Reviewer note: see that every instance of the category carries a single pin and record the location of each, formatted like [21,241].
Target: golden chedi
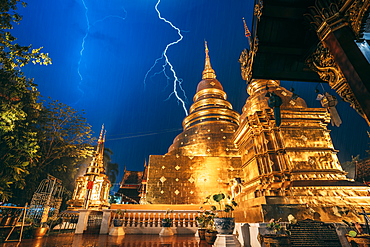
[293,168]
[203,158]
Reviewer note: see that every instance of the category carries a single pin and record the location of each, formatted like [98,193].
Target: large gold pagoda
[92,189]
[203,158]
[293,168]
[275,159]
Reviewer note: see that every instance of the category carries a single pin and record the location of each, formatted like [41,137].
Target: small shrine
[92,189]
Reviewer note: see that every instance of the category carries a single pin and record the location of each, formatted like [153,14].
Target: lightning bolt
[177,81]
[89,26]
[83,41]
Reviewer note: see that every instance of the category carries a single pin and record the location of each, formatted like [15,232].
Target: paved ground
[92,240]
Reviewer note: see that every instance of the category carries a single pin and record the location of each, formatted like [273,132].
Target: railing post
[82,221]
[104,227]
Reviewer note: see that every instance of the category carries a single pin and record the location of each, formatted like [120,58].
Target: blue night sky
[102,52]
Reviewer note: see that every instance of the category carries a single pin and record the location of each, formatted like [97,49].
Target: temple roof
[284,41]
[132,178]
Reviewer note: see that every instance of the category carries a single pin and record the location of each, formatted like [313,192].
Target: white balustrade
[150,221]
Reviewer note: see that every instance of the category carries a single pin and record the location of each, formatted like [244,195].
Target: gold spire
[208,72]
[96,166]
[102,135]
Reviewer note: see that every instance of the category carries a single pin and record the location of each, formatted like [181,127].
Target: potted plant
[166,225]
[223,205]
[204,220]
[274,226]
[210,236]
[41,230]
[211,232]
[118,218]
[278,235]
[35,229]
[167,221]
[54,221]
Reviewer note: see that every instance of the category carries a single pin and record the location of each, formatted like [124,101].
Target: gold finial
[247,33]
[102,135]
[208,72]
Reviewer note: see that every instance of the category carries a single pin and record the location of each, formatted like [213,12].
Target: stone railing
[149,221]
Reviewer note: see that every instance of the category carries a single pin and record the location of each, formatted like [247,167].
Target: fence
[12,217]
[65,222]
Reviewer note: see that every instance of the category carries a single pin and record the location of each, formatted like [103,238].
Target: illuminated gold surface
[203,158]
[208,72]
[291,169]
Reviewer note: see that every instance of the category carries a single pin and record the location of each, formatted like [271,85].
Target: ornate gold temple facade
[92,189]
[293,168]
[203,158]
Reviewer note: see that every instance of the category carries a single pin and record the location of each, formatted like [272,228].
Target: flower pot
[40,232]
[166,223]
[210,237]
[224,225]
[202,233]
[117,222]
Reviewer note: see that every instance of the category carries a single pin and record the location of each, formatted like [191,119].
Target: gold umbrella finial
[208,72]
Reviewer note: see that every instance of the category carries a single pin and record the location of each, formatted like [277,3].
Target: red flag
[246,30]
[90,185]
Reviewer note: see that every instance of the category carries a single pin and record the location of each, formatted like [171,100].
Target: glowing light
[177,81]
[89,26]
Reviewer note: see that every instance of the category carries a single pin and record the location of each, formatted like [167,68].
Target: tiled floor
[90,240]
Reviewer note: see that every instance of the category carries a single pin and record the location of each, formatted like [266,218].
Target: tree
[18,103]
[62,132]
[111,169]
[64,140]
